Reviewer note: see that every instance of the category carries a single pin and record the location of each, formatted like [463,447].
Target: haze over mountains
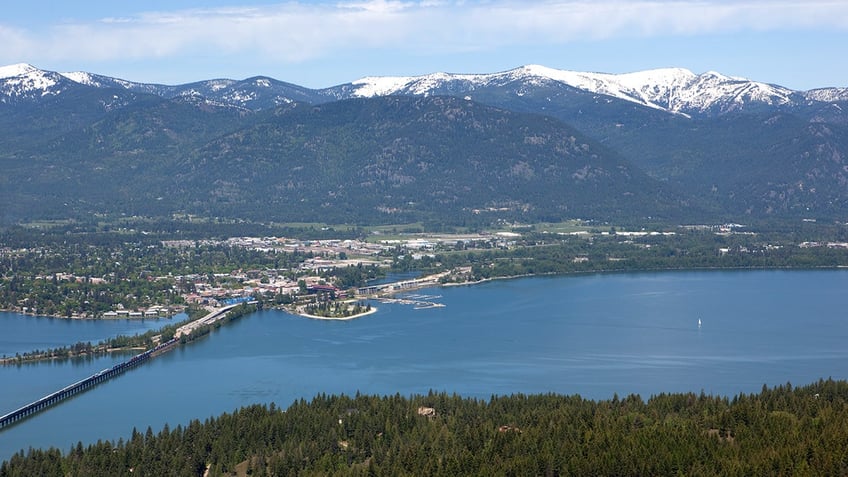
[529,144]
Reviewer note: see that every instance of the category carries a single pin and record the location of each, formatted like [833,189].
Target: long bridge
[109,373]
[82,386]
[214,315]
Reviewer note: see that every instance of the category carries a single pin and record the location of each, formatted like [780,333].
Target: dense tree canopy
[780,431]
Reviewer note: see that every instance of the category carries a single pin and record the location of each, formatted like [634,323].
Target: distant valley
[524,145]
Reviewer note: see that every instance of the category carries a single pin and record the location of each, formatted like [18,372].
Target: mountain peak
[675,90]
[23,80]
[18,69]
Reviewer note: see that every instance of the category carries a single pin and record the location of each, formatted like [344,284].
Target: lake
[23,333]
[593,335]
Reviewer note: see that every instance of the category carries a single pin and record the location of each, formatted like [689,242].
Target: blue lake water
[23,333]
[593,335]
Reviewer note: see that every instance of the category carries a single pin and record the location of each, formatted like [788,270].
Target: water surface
[24,333]
[593,335]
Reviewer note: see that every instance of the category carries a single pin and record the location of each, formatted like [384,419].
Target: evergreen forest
[783,430]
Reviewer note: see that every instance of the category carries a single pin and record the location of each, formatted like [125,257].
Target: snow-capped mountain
[100,81]
[757,149]
[252,93]
[673,90]
[22,81]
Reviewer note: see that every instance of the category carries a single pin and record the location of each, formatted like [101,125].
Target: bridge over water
[109,373]
[81,386]
[214,315]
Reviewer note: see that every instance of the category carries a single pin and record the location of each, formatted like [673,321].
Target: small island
[338,310]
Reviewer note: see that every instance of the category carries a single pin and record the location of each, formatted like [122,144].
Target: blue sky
[800,44]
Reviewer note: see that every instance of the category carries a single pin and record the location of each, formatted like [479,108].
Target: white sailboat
[699,322]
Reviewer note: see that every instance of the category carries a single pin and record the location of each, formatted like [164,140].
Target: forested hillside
[529,144]
[781,431]
[383,160]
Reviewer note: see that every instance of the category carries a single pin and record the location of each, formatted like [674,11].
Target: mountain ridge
[706,146]
[672,90]
[675,90]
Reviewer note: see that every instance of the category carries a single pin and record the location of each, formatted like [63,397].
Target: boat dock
[419,302]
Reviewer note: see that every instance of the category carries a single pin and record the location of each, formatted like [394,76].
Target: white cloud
[13,39]
[293,32]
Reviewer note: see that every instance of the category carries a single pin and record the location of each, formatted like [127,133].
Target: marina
[418,302]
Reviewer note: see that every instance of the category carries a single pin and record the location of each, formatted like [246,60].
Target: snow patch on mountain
[219,84]
[372,86]
[19,69]
[24,80]
[653,88]
[100,81]
[676,90]
[82,77]
[827,95]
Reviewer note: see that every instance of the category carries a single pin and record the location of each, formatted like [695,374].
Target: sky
[799,44]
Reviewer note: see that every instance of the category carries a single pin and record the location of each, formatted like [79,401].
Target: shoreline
[490,279]
[14,360]
[8,360]
[89,318]
[644,270]
[333,318]
[436,284]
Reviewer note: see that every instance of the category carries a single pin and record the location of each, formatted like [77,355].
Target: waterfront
[593,335]
[25,333]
